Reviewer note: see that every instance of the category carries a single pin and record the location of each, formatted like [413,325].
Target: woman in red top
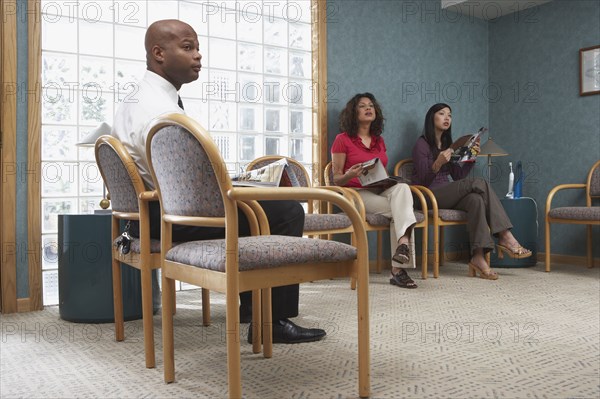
[362,124]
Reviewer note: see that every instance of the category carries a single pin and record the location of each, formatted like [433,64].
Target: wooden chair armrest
[304,193]
[148,195]
[557,189]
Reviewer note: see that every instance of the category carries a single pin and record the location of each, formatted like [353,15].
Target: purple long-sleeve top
[423,174]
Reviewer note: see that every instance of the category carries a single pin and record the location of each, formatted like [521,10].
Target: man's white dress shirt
[155,96]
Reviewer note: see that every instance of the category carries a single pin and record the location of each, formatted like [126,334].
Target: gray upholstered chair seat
[419,216]
[325,221]
[261,252]
[377,220]
[451,215]
[576,213]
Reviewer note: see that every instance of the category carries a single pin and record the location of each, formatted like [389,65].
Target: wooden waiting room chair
[129,201]
[587,215]
[314,223]
[379,223]
[194,188]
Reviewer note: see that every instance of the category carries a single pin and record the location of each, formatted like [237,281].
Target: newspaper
[275,174]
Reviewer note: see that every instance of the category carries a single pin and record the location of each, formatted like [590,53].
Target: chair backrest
[190,175]
[298,169]
[593,181]
[120,174]
[404,168]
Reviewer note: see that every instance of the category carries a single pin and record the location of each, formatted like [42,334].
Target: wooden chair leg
[147,310]
[379,251]
[436,251]
[590,255]
[257,337]
[267,325]
[118,300]
[424,254]
[442,247]
[205,307]
[168,287]
[232,321]
[547,256]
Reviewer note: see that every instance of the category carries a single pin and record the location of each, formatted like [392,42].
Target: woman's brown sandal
[402,280]
[402,254]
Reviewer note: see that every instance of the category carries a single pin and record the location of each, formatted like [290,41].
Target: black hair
[429,129]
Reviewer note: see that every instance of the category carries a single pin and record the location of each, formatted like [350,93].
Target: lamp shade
[492,149]
[90,139]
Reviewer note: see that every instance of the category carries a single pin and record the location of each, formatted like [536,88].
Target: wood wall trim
[319,78]
[34,127]
[8,126]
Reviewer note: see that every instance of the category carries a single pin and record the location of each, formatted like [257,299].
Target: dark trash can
[85,291]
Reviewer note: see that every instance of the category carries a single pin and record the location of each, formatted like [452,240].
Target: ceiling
[492,9]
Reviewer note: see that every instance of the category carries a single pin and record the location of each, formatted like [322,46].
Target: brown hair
[349,122]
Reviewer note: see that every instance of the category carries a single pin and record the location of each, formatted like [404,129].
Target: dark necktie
[179,102]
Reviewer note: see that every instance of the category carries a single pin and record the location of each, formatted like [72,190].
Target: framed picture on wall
[589,71]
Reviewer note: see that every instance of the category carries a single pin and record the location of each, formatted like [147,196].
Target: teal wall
[546,123]
[410,55]
[517,74]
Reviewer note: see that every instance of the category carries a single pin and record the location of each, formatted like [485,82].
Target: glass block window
[253,94]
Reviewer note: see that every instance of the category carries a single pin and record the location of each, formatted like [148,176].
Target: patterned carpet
[530,334]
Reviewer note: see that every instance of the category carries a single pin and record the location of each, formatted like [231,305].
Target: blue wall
[410,55]
[517,74]
[542,120]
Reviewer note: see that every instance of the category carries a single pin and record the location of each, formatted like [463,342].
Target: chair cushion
[377,220]
[451,215]
[591,213]
[419,216]
[261,252]
[319,222]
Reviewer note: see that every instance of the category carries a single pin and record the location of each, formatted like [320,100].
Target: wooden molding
[24,305]
[566,259]
[8,128]
[319,81]
[34,127]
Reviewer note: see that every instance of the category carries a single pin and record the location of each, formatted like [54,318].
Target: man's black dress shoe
[286,332]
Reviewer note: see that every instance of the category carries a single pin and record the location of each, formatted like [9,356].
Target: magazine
[375,174]
[463,147]
[275,174]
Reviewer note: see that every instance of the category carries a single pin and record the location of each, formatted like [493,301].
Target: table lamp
[90,141]
[491,149]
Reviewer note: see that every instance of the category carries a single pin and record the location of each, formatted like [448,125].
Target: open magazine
[275,174]
[374,173]
[463,147]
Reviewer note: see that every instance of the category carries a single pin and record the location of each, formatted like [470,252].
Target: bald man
[173,59]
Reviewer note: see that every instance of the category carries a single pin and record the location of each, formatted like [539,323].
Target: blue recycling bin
[522,213]
[85,291]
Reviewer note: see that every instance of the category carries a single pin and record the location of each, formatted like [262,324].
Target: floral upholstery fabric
[451,215]
[187,181]
[595,183]
[117,179]
[591,213]
[319,222]
[261,252]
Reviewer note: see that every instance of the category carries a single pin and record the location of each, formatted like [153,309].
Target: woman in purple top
[485,214]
